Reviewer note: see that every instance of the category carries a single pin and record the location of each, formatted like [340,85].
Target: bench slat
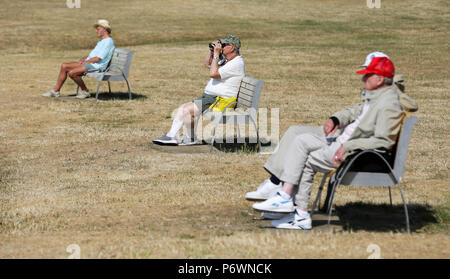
[246,91]
[245,97]
[244,103]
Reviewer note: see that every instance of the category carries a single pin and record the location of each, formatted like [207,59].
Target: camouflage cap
[232,40]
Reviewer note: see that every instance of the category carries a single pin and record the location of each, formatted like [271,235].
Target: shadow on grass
[385,218]
[105,96]
[245,145]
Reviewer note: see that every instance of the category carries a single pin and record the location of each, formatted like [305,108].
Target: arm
[208,59]
[92,60]
[214,66]
[331,126]
[348,115]
[387,129]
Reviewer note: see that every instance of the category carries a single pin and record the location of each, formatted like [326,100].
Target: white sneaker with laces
[51,93]
[293,222]
[266,190]
[275,204]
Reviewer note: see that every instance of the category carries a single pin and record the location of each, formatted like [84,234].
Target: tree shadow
[384,217]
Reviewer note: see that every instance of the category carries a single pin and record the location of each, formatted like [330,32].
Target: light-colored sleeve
[387,129]
[232,70]
[105,49]
[348,115]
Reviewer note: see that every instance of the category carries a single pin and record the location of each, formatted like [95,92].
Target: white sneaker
[165,140]
[273,215]
[185,140]
[275,204]
[266,190]
[51,93]
[83,95]
[293,222]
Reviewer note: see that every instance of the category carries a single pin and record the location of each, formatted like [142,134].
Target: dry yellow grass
[85,172]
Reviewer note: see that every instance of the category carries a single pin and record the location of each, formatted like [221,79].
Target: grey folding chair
[118,70]
[344,175]
[246,109]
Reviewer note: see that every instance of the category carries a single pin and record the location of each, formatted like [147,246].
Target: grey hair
[386,80]
[236,50]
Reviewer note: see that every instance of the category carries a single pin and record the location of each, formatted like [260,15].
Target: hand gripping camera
[221,58]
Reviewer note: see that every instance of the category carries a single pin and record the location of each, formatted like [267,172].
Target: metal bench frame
[117,70]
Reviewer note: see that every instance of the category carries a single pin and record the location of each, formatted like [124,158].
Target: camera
[211,46]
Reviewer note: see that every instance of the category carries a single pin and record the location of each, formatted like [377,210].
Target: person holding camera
[226,69]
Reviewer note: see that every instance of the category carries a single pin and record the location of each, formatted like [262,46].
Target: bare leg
[62,76]
[76,74]
[190,115]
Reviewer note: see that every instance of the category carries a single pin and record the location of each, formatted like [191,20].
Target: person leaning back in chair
[373,123]
[226,69]
[97,60]
[272,185]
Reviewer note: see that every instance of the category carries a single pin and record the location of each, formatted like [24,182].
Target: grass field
[85,172]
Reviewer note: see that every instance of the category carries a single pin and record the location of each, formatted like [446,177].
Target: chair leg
[406,209]
[98,88]
[319,194]
[330,205]
[390,195]
[257,134]
[212,138]
[129,90]
[109,87]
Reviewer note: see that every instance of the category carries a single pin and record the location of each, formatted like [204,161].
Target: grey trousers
[301,153]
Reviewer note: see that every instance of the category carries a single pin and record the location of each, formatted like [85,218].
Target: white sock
[284,195]
[176,126]
[302,214]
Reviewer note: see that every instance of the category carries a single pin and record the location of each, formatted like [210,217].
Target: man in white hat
[97,60]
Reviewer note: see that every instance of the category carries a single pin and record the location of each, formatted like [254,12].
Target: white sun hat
[102,23]
[373,55]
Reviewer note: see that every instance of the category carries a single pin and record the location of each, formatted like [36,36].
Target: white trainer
[83,94]
[293,222]
[265,191]
[275,204]
[185,140]
[273,215]
[51,93]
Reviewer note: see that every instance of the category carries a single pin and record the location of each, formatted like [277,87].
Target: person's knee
[72,74]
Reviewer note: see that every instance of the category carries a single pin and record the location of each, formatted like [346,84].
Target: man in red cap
[373,123]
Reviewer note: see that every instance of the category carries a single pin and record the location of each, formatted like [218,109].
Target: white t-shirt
[231,75]
[348,131]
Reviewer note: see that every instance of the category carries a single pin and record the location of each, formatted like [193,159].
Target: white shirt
[231,75]
[352,126]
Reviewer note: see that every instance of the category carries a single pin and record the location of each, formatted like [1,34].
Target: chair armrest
[355,160]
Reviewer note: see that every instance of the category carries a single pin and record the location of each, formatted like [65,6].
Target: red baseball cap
[381,66]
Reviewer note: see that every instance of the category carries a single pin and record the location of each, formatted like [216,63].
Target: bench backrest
[120,61]
[249,92]
[402,145]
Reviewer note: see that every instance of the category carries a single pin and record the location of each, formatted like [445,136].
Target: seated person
[97,60]
[226,76]
[272,185]
[374,123]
